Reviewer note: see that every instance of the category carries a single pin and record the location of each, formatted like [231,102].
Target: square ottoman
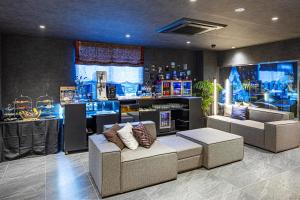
[189,154]
[219,147]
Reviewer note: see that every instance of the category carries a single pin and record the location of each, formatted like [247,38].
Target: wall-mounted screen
[266,85]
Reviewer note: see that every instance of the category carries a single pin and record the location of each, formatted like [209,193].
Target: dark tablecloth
[24,138]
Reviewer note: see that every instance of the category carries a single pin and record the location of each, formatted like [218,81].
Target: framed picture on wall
[67,94]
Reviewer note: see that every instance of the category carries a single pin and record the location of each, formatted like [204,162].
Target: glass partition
[265,85]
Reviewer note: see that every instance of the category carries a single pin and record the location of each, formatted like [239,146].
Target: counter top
[24,121]
[157,98]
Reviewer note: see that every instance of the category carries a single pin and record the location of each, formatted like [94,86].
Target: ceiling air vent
[189,26]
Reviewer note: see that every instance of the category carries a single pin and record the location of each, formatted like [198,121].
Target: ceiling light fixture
[233,47]
[238,10]
[42,26]
[127,35]
[188,42]
[275,19]
[193,0]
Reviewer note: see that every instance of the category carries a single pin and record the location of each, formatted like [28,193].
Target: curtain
[99,53]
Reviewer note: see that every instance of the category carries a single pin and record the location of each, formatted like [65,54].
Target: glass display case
[187,88]
[166,88]
[176,88]
[45,105]
[164,119]
[102,107]
[22,103]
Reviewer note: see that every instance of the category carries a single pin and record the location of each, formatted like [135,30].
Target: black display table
[24,138]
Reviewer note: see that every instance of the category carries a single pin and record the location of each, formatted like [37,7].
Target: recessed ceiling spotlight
[188,42]
[127,35]
[42,26]
[193,0]
[233,47]
[238,10]
[275,19]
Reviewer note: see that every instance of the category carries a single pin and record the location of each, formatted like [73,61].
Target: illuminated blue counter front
[102,107]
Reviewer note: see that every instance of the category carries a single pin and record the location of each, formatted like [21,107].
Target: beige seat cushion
[219,122]
[220,117]
[157,148]
[252,131]
[225,119]
[250,123]
[208,135]
[184,147]
[267,115]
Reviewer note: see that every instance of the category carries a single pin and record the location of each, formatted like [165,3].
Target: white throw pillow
[227,110]
[126,135]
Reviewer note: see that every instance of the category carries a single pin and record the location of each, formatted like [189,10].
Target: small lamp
[215,105]
[227,92]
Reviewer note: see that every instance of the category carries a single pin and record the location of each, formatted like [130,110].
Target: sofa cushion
[208,135]
[184,147]
[150,126]
[112,136]
[227,110]
[157,148]
[239,112]
[267,115]
[143,136]
[127,137]
[219,122]
[252,131]
[249,123]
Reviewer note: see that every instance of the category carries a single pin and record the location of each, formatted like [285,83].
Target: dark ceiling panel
[110,20]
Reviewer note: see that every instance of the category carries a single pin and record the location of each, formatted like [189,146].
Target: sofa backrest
[150,126]
[267,115]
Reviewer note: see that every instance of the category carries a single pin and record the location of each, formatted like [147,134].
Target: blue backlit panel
[267,85]
[126,78]
[115,74]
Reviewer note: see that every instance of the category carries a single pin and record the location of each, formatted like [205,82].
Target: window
[126,78]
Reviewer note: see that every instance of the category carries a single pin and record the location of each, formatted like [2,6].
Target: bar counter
[23,138]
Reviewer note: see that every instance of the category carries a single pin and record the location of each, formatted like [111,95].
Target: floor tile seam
[239,190]
[3,175]
[267,179]
[269,165]
[284,185]
[253,172]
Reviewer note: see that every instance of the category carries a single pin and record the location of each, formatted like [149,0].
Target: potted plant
[205,90]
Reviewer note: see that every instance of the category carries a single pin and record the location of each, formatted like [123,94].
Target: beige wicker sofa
[268,129]
[116,171]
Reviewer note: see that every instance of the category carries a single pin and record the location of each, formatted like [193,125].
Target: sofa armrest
[105,165]
[282,135]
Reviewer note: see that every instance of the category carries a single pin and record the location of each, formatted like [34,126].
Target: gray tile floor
[261,175]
